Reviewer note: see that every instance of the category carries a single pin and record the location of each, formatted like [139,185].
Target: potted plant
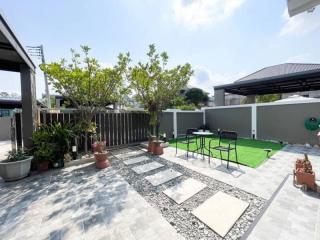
[305,175]
[16,166]
[61,138]
[155,87]
[44,155]
[43,149]
[150,143]
[98,146]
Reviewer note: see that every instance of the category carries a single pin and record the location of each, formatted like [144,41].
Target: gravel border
[179,216]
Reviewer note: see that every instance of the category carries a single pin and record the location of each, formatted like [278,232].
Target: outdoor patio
[134,199]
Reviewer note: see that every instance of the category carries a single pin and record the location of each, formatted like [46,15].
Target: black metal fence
[116,128]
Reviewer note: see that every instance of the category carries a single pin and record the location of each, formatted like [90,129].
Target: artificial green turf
[250,152]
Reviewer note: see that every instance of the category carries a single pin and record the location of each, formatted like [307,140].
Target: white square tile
[162,177]
[136,160]
[147,167]
[220,212]
[184,190]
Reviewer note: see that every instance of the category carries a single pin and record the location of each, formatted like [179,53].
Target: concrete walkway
[78,203]
[292,214]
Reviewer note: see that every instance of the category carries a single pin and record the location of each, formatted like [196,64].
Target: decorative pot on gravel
[99,146]
[150,143]
[16,166]
[157,148]
[101,159]
[305,175]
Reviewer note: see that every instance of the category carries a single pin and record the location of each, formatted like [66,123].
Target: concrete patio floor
[82,202]
[78,203]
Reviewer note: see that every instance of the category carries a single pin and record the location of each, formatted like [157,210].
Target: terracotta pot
[299,165]
[304,178]
[157,148]
[101,160]
[150,144]
[98,146]
[43,166]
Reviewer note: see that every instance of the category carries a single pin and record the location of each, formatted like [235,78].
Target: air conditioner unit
[298,6]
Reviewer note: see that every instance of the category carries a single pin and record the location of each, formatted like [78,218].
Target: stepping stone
[162,177]
[184,190]
[128,154]
[147,167]
[220,212]
[136,160]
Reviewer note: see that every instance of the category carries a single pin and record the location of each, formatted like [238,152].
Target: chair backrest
[191,130]
[229,135]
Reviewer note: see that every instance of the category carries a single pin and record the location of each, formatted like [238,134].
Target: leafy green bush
[187,107]
[51,142]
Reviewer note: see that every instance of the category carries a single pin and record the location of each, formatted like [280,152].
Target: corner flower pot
[101,160]
[11,171]
[299,165]
[304,178]
[150,143]
[98,146]
[43,166]
[157,148]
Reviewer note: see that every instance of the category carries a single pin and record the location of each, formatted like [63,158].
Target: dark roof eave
[270,80]
[10,36]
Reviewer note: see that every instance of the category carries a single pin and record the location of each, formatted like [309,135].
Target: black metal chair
[187,139]
[227,143]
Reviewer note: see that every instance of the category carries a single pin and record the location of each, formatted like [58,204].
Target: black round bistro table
[202,136]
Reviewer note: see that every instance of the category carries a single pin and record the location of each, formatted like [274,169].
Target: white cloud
[300,58]
[205,79]
[196,13]
[300,24]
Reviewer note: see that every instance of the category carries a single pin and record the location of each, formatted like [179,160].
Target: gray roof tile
[280,70]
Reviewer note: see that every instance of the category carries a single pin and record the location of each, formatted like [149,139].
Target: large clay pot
[11,171]
[101,160]
[150,143]
[304,178]
[157,148]
[98,146]
[43,166]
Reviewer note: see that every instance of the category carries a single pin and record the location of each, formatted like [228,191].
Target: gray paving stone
[184,190]
[136,160]
[162,177]
[147,167]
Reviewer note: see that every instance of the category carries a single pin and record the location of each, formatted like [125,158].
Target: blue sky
[222,39]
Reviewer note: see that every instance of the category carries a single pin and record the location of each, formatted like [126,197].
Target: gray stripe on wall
[187,120]
[286,122]
[166,124]
[230,119]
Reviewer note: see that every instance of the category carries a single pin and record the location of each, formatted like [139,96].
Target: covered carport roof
[12,54]
[283,78]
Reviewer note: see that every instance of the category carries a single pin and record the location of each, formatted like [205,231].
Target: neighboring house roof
[280,70]
[282,78]
[297,98]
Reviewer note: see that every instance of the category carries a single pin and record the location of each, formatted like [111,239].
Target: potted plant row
[16,166]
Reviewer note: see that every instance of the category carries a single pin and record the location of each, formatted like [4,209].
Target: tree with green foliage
[268,98]
[196,96]
[155,85]
[87,85]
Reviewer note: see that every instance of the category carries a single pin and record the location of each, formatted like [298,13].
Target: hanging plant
[312,123]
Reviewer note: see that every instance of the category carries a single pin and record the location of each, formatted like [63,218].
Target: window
[4,112]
